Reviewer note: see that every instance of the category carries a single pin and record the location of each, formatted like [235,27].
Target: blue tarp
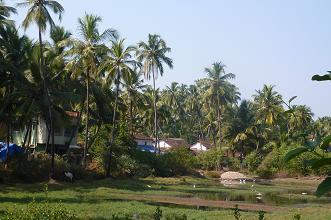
[13,149]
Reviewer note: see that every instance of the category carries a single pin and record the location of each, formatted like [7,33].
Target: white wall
[198,147]
[164,145]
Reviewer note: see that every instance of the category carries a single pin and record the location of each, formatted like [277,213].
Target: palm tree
[300,119]
[322,127]
[219,91]
[134,86]
[84,58]
[268,105]
[38,13]
[118,64]
[194,107]
[5,12]
[13,62]
[153,54]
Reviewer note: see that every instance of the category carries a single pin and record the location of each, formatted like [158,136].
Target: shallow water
[285,197]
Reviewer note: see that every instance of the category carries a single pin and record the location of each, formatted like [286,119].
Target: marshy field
[193,197]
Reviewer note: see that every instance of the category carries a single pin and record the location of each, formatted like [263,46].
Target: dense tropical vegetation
[106,81]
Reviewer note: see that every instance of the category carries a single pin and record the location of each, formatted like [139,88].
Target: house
[201,146]
[38,134]
[144,142]
[171,143]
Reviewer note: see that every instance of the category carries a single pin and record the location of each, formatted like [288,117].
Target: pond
[282,197]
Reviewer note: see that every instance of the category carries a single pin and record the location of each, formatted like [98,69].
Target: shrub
[176,217]
[253,160]
[213,174]
[273,164]
[233,163]
[179,161]
[269,166]
[157,214]
[40,210]
[212,159]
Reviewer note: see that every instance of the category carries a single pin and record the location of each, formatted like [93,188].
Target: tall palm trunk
[219,121]
[155,117]
[87,116]
[113,126]
[131,117]
[46,91]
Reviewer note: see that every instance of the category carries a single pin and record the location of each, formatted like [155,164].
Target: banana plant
[313,147]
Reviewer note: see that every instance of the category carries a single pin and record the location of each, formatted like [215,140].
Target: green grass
[101,199]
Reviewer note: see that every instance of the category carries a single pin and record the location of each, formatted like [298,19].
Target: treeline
[99,76]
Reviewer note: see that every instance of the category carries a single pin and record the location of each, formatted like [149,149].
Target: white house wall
[198,147]
[164,145]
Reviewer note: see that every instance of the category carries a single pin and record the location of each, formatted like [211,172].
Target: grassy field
[101,199]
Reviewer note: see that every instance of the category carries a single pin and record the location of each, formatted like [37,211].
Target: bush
[274,165]
[212,159]
[40,210]
[35,169]
[253,160]
[179,161]
[213,174]
[233,163]
[270,165]
[176,217]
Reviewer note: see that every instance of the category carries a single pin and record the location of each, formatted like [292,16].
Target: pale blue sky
[276,42]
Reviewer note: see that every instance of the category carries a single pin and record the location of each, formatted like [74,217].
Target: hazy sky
[278,42]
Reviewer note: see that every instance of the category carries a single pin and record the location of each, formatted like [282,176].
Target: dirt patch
[232,176]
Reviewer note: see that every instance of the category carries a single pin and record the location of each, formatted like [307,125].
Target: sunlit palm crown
[38,13]
[152,54]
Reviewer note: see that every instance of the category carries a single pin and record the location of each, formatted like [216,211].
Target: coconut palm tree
[84,57]
[13,60]
[5,12]
[322,127]
[219,92]
[117,64]
[38,13]
[133,85]
[194,108]
[153,54]
[301,119]
[268,105]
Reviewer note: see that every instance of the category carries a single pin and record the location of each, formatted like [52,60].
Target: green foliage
[213,174]
[324,187]
[176,217]
[35,169]
[157,214]
[274,163]
[261,215]
[253,160]
[322,77]
[294,153]
[236,213]
[317,160]
[179,161]
[40,211]
[212,159]
[297,217]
